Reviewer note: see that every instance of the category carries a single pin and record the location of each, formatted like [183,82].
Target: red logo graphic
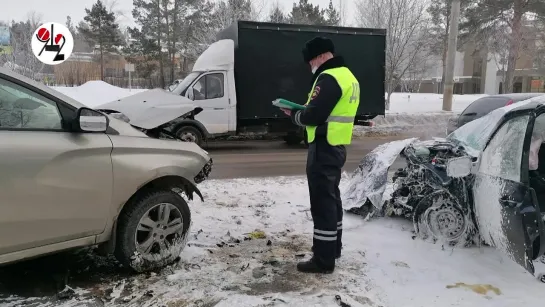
[45,35]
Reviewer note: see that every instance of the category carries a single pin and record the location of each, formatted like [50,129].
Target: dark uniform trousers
[324,167]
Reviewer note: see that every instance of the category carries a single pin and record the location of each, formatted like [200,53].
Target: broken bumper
[205,172]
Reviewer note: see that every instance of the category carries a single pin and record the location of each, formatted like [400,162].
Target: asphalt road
[245,159]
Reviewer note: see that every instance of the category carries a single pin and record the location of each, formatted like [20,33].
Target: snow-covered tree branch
[22,59]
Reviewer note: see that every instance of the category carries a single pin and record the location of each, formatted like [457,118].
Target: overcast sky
[57,10]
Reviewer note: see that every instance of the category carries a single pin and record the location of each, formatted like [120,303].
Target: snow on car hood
[150,109]
[370,179]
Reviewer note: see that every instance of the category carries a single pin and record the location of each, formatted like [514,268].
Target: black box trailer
[269,64]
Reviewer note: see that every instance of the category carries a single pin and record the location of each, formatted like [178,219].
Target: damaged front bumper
[205,172]
[421,191]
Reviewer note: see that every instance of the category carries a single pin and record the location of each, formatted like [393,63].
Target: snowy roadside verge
[409,113]
[416,114]
[423,124]
[247,237]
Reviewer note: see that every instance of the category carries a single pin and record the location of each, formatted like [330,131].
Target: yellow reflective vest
[340,122]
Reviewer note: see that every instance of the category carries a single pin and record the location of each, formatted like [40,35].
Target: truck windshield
[182,86]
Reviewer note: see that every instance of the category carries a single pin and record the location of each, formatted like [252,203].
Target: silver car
[72,176]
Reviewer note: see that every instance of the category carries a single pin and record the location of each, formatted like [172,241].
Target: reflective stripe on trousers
[328,235]
[325,235]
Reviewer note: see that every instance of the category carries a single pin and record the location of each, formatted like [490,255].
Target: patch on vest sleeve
[316,92]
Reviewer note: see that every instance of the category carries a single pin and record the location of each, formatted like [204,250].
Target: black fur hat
[317,46]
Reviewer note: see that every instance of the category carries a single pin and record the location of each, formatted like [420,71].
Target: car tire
[189,134]
[142,221]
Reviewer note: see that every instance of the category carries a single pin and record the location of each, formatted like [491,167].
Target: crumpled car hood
[150,109]
[370,179]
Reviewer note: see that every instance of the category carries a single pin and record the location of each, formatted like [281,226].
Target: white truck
[234,81]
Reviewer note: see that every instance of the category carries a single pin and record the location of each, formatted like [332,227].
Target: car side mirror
[89,120]
[459,167]
[190,93]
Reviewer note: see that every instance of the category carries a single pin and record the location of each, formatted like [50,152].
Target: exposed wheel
[189,134]
[440,217]
[152,230]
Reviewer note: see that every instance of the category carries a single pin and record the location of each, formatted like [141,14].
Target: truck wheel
[152,231]
[292,139]
[189,134]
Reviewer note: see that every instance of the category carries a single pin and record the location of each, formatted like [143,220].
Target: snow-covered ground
[248,235]
[410,103]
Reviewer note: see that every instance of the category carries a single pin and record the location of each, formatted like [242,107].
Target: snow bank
[417,114]
[410,103]
[94,93]
[410,113]
[425,125]
[248,235]
[97,92]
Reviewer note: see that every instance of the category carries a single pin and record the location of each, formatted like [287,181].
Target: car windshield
[475,134]
[182,86]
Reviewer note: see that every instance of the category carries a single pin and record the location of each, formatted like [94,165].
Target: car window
[199,89]
[503,156]
[214,86]
[186,82]
[483,106]
[209,87]
[21,108]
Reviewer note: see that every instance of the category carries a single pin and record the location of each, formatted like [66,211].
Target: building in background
[478,71]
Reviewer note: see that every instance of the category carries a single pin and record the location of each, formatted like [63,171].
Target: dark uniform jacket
[324,98]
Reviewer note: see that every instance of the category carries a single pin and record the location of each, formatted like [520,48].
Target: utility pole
[448,90]
[341,12]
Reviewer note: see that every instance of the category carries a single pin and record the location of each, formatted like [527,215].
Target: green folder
[286,104]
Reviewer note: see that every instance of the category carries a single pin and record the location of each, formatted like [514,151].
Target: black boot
[337,256]
[312,266]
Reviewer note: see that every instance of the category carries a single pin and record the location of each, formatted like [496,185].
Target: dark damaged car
[473,187]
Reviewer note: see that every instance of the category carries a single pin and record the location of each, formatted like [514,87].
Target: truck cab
[211,86]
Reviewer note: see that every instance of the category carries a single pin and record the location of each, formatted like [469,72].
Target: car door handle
[219,108]
[509,202]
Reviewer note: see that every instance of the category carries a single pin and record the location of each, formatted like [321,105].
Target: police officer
[328,119]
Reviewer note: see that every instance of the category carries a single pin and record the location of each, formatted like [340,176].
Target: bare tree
[406,24]
[417,72]
[21,58]
[204,24]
